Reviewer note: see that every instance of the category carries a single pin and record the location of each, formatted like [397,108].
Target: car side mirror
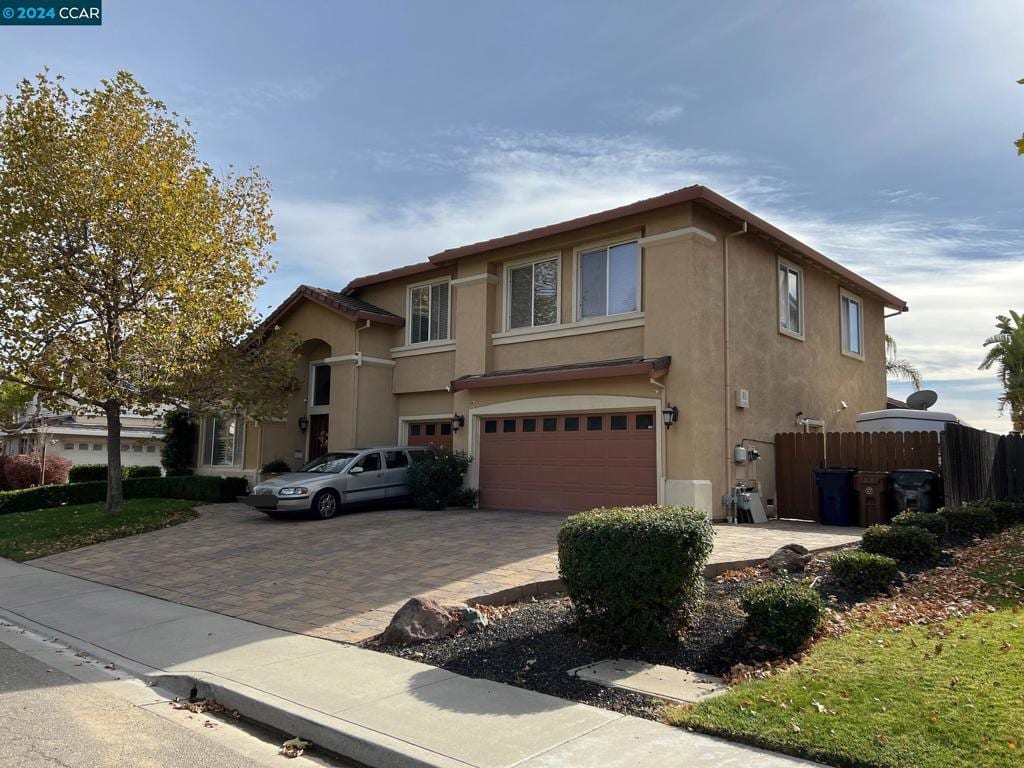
[356,471]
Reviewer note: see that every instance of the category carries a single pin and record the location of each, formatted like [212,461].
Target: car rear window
[396,459]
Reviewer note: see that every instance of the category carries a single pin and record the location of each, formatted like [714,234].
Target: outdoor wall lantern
[670,415]
[458,422]
[303,423]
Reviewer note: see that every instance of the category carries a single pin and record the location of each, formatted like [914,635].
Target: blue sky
[878,132]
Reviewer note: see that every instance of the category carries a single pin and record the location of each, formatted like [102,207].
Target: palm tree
[895,368]
[1006,350]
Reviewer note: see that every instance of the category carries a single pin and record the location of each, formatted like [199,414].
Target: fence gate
[798,454]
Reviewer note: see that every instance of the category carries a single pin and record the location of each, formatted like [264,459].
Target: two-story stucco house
[613,359]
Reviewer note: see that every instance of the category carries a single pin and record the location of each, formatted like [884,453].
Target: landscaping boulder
[792,558]
[419,620]
[469,618]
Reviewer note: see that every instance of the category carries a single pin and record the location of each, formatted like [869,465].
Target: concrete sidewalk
[369,707]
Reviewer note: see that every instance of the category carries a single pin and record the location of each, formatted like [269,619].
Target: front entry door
[319,426]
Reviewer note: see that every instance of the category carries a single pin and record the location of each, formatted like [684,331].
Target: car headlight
[295,491]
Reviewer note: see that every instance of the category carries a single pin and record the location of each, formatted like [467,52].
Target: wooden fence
[798,454]
[982,465]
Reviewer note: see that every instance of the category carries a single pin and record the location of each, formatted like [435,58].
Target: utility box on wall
[742,398]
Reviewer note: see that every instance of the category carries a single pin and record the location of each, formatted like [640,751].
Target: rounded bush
[970,520]
[863,571]
[435,480]
[782,613]
[933,523]
[907,543]
[632,572]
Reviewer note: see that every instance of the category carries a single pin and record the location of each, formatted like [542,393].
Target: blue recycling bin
[836,498]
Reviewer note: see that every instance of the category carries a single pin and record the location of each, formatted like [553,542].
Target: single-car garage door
[568,462]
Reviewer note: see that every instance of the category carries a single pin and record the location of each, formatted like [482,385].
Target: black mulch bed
[534,644]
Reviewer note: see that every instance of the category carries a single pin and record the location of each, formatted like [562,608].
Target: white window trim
[408,312]
[606,244]
[423,348]
[556,257]
[311,409]
[781,262]
[845,294]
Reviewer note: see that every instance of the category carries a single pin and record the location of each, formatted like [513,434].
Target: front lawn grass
[27,535]
[921,696]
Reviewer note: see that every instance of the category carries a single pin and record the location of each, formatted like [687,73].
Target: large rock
[419,620]
[792,558]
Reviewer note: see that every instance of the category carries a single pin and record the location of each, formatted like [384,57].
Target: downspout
[664,439]
[727,374]
[355,385]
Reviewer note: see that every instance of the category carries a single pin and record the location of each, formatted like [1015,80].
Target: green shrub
[140,470]
[276,467]
[180,437]
[435,481]
[970,520]
[933,523]
[782,613]
[907,543]
[87,473]
[465,497]
[196,487]
[633,572]
[1008,512]
[863,571]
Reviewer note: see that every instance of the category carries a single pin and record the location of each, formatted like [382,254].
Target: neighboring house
[83,439]
[555,357]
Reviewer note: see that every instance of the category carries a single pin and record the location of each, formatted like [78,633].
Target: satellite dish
[922,400]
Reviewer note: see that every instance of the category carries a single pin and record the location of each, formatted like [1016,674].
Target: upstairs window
[850,310]
[608,282]
[532,294]
[428,312]
[791,300]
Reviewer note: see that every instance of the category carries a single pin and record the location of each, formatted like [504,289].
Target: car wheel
[325,504]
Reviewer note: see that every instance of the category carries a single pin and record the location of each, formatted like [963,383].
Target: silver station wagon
[336,479]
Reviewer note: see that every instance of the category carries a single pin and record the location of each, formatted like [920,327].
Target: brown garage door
[435,433]
[568,462]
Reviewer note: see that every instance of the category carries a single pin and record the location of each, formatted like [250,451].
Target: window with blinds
[222,445]
[532,294]
[429,312]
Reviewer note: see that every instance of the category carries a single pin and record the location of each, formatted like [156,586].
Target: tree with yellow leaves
[127,266]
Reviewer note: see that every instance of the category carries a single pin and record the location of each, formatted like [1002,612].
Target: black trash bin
[836,500]
[918,490]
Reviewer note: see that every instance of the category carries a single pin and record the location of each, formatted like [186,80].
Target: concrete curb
[328,732]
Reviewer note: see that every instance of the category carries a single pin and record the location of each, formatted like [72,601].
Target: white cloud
[956,275]
[663,115]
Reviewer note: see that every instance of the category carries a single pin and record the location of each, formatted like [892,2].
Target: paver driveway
[343,579]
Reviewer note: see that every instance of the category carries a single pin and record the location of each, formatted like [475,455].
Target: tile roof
[654,367]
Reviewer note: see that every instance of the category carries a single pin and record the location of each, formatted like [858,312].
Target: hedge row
[85,473]
[196,487]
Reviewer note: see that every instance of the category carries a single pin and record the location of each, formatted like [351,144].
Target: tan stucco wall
[423,373]
[426,403]
[607,345]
